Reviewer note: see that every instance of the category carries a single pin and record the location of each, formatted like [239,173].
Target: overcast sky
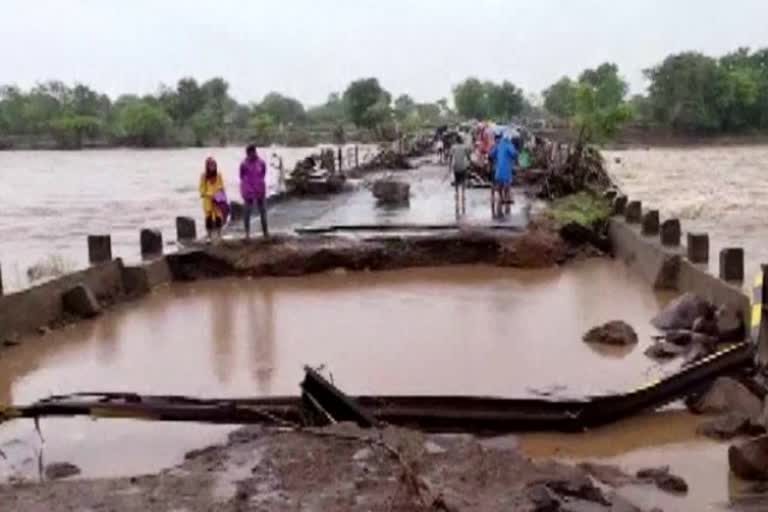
[308,48]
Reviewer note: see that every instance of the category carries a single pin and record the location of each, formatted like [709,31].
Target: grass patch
[583,208]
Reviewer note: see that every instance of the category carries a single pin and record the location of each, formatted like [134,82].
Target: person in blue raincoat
[504,156]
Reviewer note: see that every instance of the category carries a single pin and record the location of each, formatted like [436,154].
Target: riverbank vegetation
[688,93]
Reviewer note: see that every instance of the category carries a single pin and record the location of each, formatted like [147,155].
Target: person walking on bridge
[253,189]
[504,156]
[458,162]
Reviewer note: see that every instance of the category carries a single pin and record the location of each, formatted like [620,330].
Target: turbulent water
[51,200]
[719,190]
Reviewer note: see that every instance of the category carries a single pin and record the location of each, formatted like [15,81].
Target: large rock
[662,350]
[682,312]
[705,325]
[389,191]
[730,324]
[664,479]
[58,470]
[727,395]
[749,459]
[80,301]
[729,426]
[610,475]
[613,333]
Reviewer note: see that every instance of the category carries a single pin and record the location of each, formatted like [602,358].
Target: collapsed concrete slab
[657,266]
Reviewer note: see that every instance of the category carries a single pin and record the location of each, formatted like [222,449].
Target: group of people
[253,190]
[502,158]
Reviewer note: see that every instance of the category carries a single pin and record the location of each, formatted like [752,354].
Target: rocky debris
[536,248]
[682,312]
[236,211]
[727,396]
[662,350]
[749,459]
[728,426]
[81,302]
[389,191]
[567,170]
[610,475]
[387,159]
[577,235]
[433,448]
[362,454]
[59,470]
[315,175]
[730,324]
[706,325]
[612,333]
[562,490]
[664,479]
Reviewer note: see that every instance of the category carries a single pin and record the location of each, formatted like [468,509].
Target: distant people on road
[504,156]
[215,204]
[277,163]
[440,147]
[459,162]
[253,189]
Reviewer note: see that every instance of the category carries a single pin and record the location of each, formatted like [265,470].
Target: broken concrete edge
[667,268]
[42,307]
[39,309]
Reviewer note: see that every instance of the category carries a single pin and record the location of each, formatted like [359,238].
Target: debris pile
[561,170]
[387,159]
[316,175]
[390,191]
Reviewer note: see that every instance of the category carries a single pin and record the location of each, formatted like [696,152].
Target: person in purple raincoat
[253,189]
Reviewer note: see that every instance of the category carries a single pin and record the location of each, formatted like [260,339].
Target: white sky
[308,48]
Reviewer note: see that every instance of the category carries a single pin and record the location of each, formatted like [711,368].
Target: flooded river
[719,190]
[53,199]
[464,330]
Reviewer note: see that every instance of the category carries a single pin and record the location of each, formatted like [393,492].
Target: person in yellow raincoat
[215,206]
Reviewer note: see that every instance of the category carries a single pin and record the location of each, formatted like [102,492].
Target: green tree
[685,92]
[143,124]
[608,87]
[505,101]
[367,103]
[282,109]
[594,121]
[71,130]
[262,129]
[560,98]
[404,107]
[189,99]
[471,99]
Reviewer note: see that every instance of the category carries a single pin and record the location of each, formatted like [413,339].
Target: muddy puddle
[461,330]
[666,438]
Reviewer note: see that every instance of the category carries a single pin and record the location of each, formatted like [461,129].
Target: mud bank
[351,469]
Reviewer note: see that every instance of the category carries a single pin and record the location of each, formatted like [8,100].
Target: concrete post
[236,211]
[185,228]
[651,223]
[634,212]
[670,232]
[99,248]
[341,160]
[619,205]
[151,242]
[732,264]
[357,157]
[1,281]
[698,247]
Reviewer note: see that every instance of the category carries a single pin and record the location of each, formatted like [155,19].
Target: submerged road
[432,203]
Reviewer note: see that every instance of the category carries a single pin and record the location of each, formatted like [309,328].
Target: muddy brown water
[464,330]
[719,190]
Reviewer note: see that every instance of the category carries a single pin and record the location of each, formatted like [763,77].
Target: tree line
[687,92]
[192,113]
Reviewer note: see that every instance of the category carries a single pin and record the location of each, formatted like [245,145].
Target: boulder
[613,333]
[727,395]
[389,191]
[730,324]
[705,325]
[662,350]
[236,211]
[664,479]
[58,470]
[727,427]
[682,312]
[610,475]
[749,459]
[81,302]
